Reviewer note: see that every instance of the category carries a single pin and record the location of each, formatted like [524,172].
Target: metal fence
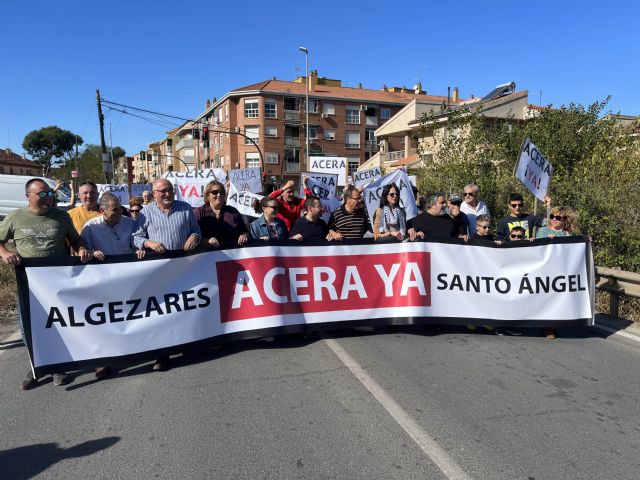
[617,283]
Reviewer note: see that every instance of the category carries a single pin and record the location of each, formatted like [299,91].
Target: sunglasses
[470,194]
[135,210]
[484,226]
[516,205]
[556,217]
[217,192]
[50,193]
[392,194]
[517,237]
[275,207]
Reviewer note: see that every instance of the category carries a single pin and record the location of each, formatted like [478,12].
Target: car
[12,195]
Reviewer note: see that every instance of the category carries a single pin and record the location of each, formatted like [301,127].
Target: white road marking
[620,333]
[428,445]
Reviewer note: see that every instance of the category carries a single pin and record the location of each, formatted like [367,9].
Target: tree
[596,169]
[89,164]
[48,145]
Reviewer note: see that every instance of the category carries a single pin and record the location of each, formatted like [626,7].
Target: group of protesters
[157,222]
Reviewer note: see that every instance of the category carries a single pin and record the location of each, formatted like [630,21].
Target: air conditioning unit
[363,108]
[325,115]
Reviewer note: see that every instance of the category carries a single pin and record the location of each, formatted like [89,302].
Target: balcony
[352,146]
[184,143]
[371,121]
[292,167]
[292,115]
[291,141]
[371,146]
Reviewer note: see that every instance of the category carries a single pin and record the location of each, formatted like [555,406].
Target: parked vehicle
[12,195]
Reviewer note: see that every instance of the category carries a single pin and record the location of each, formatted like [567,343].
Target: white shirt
[473,213]
[116,240]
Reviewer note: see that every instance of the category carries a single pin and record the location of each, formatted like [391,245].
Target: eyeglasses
[217,192]
[484,226]
[164,190]
[455,204]
[135,210]
[517,237]
[275,207]
[515,205]
[392,194]
[557,217]
[49,193]
[470,194]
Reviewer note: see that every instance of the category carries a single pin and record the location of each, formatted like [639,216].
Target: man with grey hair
[433,223]
[472,207]
[109,234]
[147,198]
[350,220]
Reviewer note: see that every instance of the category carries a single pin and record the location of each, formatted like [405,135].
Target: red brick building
[342,122]
[13,164]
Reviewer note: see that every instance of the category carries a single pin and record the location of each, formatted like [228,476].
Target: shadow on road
[21,463]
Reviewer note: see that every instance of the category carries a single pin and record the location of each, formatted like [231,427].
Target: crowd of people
[157,222]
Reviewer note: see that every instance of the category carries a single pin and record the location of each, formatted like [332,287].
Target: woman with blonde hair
[562,223]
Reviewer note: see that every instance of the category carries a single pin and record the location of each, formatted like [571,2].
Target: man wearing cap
[291,207]
[472,207]
[460,219]
[434,223]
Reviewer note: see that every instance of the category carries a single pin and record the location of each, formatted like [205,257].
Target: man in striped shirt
[166,224]
[350,220]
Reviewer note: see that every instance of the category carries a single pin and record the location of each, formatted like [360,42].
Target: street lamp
[306,107]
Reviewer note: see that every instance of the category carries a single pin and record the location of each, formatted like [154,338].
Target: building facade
[13,164]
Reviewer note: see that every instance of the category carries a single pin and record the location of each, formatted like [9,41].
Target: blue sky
[170,56]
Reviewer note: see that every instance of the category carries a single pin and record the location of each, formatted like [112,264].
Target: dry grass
[7,287]
[629,308]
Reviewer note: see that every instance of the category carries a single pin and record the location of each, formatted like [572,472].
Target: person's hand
[547,200]
[335,235]
[304,180]
[398,235]
[288,185]
[420,235]
[551,236]
[99,254]
[242,239]
[465,238]
[265,237]
[155,246]
[297,236]
[213,241]
[191,244]
[498,242]
[57,186]
[412,234]
[85,255]
[141,253]
[11,258]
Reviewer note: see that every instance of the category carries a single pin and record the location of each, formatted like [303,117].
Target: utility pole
[106,165]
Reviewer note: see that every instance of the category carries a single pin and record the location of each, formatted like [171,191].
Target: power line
[147,111]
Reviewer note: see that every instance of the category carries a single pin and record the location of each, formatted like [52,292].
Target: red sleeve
[275,193]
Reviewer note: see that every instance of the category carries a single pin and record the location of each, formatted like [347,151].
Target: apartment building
[264,124]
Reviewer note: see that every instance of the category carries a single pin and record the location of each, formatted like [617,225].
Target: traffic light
[195,133]
[129,170]
[205,133]
[143,155]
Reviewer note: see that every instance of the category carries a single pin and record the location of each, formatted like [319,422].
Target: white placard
[138,188]
[337,165]
[242,201]
[189,186]
[327,184]
[120,191]
[246,179]
[373,192]
[362,178]
[533,170]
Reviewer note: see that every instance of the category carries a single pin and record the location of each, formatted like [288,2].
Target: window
[352,140]
[219,116]
[272,158]
[252,160]
[329,134]
[251,108]
[313,106]
[370,135]
[252,133]
[352,164]
[291,103]
[313,131]
[270,108]
[270,131]
[226,112]
[385,113]
[352,115]
[328,109]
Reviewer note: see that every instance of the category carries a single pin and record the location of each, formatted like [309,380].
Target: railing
[391,156]
[352,145]
[185,142]
[371,146]
[371,121]
[292,115]
[292,166]
[616,283]
[291,142]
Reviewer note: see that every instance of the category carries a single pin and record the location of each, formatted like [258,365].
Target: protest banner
[373,192]
[362,178]
[235,293]
[189,186]
[120,191]
[326,184]
[242,201]
[533,170]
[138,188]
[246,179]
[336,165]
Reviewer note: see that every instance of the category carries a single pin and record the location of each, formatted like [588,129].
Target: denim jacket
[259,229]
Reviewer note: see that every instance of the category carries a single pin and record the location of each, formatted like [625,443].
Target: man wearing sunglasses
[518,218]
[39,230]
[472,207]
[291,207]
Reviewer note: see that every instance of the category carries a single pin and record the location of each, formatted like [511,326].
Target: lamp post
[306,106]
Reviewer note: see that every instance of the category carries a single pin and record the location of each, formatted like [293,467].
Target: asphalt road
[412,403]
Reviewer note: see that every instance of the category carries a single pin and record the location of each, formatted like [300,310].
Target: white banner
[336,165]
[120,191]
[242,201]
[373,192]
[362,178]
[246,179]
[189,186]
[533,170]
[159,303]
[138,188]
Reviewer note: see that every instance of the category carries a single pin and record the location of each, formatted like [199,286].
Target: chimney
[418,89]
[360,85]
[313,80]
[207,104]
[385,88]
[455,94]
[213,100]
